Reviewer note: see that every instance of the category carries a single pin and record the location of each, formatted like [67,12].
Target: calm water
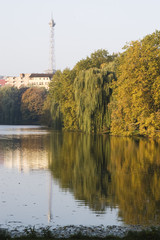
[50,178]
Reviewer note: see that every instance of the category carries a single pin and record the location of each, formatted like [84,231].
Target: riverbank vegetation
[45,234]
[104,93]
[119,94]
[21,106]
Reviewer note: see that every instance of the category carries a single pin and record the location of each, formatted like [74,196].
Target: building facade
[30,80]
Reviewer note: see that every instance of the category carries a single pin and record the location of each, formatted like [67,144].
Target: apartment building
[30,80]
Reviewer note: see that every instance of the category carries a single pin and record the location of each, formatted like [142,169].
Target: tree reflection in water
[109,171]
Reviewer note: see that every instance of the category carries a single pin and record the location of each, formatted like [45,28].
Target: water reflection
[10,131]
[135,167]
[25,153]
[101,172]
[80,163]
[112,172]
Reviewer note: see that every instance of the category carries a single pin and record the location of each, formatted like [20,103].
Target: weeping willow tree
[93,91]
[78,98]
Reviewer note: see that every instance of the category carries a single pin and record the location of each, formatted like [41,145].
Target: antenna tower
[52,67]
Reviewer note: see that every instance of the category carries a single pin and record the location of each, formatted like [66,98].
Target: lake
[50,178]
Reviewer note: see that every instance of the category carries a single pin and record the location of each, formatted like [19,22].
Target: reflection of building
[26,153]
[30,80]
[26,156]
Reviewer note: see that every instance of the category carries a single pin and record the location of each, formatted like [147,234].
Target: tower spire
[52,56]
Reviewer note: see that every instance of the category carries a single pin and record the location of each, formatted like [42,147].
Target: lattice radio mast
[52,67]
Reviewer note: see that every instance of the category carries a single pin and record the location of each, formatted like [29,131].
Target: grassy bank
[46,234]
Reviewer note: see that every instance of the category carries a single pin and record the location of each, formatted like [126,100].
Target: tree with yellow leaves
[136,105]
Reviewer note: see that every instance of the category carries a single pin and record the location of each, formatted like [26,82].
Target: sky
[82,27]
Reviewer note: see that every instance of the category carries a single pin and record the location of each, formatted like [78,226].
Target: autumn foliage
[21,106]
[78,98]
[136,105]
[117,94]
[32,104]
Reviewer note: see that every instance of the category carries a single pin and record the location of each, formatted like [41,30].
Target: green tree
[95,60]
[78,98]
[61,100]
[52,109]
[10,105]
[136,105]
[93,90]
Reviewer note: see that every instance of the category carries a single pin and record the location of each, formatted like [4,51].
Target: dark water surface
[53,178]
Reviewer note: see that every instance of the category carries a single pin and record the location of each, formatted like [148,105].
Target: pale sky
[82,27]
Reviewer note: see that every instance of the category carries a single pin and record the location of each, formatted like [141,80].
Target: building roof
[33,75]
[2,82]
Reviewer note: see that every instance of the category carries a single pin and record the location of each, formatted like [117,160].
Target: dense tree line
[119,93]
[21,106]
[9,105]
[78,98]
[136,105]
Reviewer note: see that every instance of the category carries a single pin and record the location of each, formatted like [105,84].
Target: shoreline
[81,231]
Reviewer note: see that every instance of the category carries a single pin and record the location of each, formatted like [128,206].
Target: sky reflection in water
[50,178]
[29,193]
